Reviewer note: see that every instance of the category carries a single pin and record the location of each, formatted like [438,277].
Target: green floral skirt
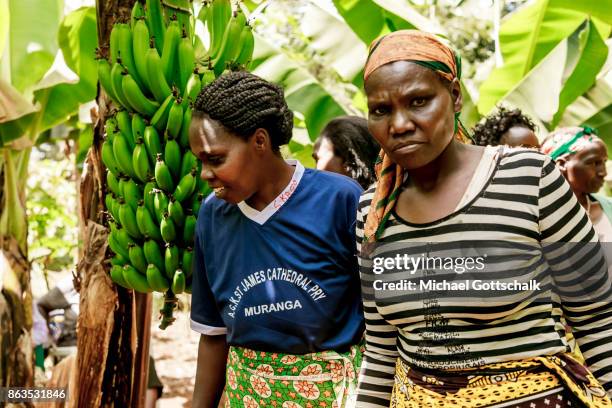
[265,379]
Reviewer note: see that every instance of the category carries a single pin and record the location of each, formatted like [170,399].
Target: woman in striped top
[471,257]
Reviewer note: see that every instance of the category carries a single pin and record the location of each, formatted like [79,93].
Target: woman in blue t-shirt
[276,288]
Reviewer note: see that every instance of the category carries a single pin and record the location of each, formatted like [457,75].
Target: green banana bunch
[140,162]
[137,100]
[187,261]
[184,136]
[108,157]
[117,84]
[123,155]
[104,74]
[160,119]
[138,13]
[247,45]
[178,282]
[167,228]
[172,157]
[160,203]
[116,274]
[137,258]
[148,197]
[124,53]
[186,186]
[189,230]
[176,212]
[124,124]
[188,163]
[175,118]
[152,143]
[131,193]
[127,217]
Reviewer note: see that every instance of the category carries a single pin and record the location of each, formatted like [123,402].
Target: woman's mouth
[407,148]
[218,191]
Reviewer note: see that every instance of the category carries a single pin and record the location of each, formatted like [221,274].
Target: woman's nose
[206,174]
[401,123]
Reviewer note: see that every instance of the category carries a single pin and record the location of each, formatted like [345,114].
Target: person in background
[508,127]
[346,147]
[275,292]
[437,195]
[581,156]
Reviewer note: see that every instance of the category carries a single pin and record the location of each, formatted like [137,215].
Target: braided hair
[243,102]
[491,130]
[353,143]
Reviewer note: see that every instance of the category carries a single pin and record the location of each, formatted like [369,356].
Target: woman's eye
[215,160]
[419,102]
[379,111]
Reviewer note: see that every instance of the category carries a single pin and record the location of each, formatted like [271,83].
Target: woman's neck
[277,175]
[582,199]
[426,178]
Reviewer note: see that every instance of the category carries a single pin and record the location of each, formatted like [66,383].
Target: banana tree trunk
[106,345]
[16,360]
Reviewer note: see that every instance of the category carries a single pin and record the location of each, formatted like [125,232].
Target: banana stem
[170,303]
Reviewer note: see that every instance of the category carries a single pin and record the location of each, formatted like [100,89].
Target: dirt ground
[175,352]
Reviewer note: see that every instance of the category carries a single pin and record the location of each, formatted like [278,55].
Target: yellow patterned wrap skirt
[540,382]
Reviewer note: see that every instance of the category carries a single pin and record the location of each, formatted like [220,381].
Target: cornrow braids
[353,143]
[243,103]
[495,125]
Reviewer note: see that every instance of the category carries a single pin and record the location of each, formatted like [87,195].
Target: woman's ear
[455,91]
[261,140]
[561,162]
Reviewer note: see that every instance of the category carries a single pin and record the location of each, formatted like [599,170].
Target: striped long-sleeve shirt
[530,227]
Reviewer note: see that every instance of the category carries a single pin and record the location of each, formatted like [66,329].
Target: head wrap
[568,140]
[428,51]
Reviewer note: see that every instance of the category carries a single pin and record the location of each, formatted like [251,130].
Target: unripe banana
[114,43]
[140,44]
[125,52]
[186,186]
[146,224]
[117,84]
[167,228]
[175,210]
[220,14]
[247,42]
[108,202]
[160,203]
[192,88]
[203,14]
[163,178]
[137,99]
[155,21]
[159,85]
[178,282]
[188,163]
[189,230]
[186,60]
[184,136]
[124,123]
[122,182]
[104,74]
[119,260]
[116,274]
[187,261]
[147,196]
[153,254]
[138,13]
[140,162]
[121,235]
[110,128]
[138,127]
[112,182]
[156,279]
[202,187]
[175,118]
[152,143]
[172,157]
[137,258]
[171,260]
[160,119]
[115,241]
[132,193]
[108,157]
[231,42]
[208,77]
[168,56]
[123,155]
[196,203]
[127,217]
[136,280]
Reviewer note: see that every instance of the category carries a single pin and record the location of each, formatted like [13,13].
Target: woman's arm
[579,271]
[210,374]
[377,372]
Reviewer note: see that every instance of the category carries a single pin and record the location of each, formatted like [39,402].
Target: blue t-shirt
[284,279]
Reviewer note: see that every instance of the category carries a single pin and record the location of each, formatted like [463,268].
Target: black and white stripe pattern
[526,202]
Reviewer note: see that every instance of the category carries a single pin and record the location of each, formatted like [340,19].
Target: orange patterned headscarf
[426,50]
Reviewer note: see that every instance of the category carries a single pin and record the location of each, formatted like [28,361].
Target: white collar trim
[262,216]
